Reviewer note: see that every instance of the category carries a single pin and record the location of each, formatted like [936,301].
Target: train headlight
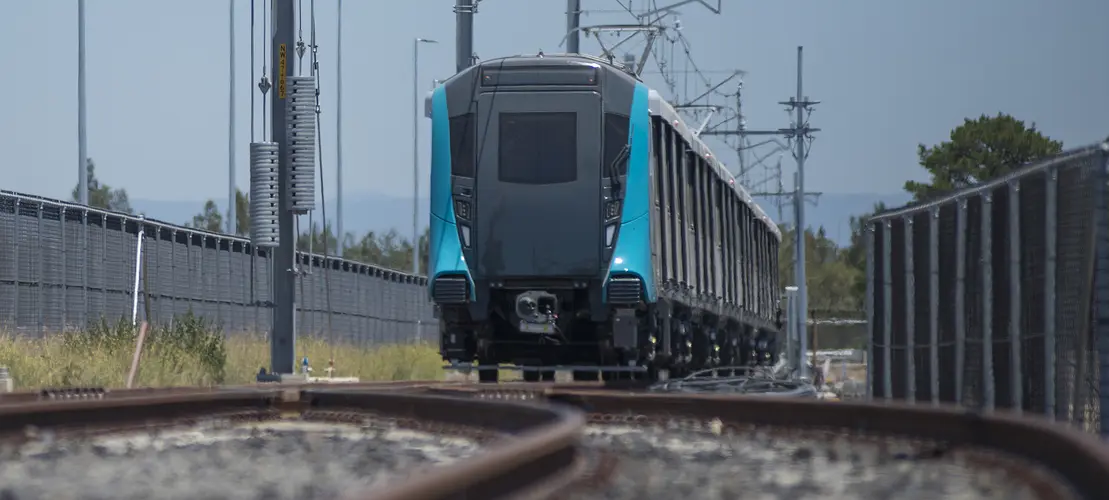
[462,209]
[610,232]
[612,209]
[465,235]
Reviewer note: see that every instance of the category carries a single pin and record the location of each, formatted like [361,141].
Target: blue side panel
[633,245]
[445,249]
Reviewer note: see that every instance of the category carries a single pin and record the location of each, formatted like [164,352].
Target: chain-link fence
[998,295]
[63,265]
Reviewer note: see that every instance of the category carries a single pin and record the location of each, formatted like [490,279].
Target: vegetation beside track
[192,353]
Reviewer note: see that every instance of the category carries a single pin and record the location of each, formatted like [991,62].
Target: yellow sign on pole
[281,72]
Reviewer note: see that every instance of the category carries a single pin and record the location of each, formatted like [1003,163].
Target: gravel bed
[278,460]
[652,462]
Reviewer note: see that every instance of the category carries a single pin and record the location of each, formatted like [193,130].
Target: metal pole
[1051,214]
[799,277]
[138,271]
[82,126]
[339,129]
[416,152]
[573,18]
[231,225]
[464,34]
[416,157]
[282,342]
[909,296]
[1016,384]
[802,289]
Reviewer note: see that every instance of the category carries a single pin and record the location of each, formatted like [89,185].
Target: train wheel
[487,376]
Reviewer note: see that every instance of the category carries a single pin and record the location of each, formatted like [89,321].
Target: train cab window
[462,145]
[538,148]
[616,137]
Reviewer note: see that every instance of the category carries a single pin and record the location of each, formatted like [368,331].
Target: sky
[889,75]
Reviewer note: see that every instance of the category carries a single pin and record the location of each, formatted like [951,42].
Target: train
[578,223]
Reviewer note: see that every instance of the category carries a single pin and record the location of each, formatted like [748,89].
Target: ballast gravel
[279,460]
[659,463]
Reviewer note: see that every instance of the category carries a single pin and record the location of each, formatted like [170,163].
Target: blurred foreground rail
[521,440]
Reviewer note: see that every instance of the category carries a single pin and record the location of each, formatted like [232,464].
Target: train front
[529,185]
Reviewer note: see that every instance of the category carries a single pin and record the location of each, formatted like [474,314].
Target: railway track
[527,440]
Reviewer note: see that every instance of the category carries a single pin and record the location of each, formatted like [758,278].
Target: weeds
[190,351]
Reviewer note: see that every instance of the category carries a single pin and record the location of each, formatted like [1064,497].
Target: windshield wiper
[614,173]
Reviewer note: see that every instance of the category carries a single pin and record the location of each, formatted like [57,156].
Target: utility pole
[573,21]
[800,133]
[282,341]
[464,11]
[781,196]
[231,216]
[339,129]
[82,136]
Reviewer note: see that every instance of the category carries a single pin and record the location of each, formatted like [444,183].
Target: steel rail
[1080,458]
[536,454]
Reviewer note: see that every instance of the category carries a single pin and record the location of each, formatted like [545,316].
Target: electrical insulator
[300,119]
[264,194]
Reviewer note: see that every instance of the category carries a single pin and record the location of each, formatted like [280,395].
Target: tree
[103,196]
[242,213]
[979,150]
[829,276]
[210,219]
[855,253]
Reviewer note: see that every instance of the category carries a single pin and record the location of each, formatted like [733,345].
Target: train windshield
[538,148]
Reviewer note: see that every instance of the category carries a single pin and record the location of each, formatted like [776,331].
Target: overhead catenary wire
[264,82]
[315,71]
[252,34]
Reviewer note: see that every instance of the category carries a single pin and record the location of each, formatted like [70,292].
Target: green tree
[855,253]
[979,150]
[314,239]
[242,213]
[212,219]
[830,278]
[209,219]
[103,196]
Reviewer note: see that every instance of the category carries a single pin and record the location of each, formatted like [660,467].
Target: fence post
[1016,386]
[987,301]
[15,264]
[1050,219]
[85,266]
[934,304]
[960,297]
[887,310]
[64,281]
[41,271]
[910,312]
[140,235]
[1101,340]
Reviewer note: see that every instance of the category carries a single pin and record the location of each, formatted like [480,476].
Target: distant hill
[382,212]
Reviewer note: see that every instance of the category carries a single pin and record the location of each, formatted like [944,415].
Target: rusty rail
[1079,458]
[537,450]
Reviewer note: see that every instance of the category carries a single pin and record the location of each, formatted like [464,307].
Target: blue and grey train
[577,221]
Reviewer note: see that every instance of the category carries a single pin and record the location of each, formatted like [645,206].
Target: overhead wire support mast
[282,338]
[798,134]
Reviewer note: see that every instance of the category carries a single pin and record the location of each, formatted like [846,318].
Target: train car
[578,222]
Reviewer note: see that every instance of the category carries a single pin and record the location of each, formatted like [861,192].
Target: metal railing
[997,296]
[64,265]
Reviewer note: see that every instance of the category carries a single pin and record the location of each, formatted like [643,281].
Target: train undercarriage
[542,334]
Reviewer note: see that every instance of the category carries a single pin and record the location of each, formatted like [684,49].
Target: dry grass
[190,354]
